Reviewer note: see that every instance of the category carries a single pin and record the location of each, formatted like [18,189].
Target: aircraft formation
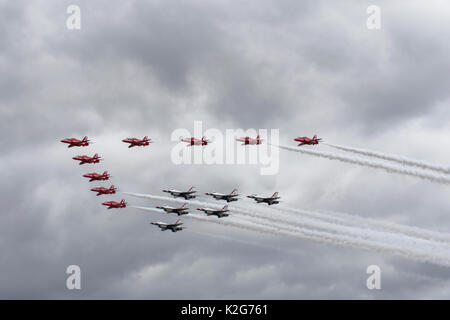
[188,194]
[219,213]
[94,176]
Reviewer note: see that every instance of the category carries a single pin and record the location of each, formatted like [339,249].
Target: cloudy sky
[140,68]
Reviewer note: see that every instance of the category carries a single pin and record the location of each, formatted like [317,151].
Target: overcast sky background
[149,67]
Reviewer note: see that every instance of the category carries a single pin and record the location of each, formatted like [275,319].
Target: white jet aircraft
[169,226]
[220,213]
[228,197]
[269,200]
[182,194]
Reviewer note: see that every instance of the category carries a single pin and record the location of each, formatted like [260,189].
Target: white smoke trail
[416,253]
[358,221]
[395,158]
[344,218]
[386,234]
[297,216]
[431,176]
[275,221]
[220,236]
[421,250]
[351,224]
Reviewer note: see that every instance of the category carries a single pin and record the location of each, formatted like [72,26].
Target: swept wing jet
[269,200]
[169,226]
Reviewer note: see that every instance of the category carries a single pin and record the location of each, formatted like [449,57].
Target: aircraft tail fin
[177,221]
[184,205]
[275,195]
[145,138]
[85,139]
[225,207]
[234,191]
[191,188]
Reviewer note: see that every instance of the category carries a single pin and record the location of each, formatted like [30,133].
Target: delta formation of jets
[220,213]
[187,195]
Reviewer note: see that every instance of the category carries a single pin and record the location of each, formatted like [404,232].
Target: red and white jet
[248,140]
[196,142]
[273,199]
[135,142]
[179,211]
[87,159]
[97,176]
[220,213]
[182,194]
[103,190]
[169,226]
[114,204]
[73,142]
[227,196]
[306,140]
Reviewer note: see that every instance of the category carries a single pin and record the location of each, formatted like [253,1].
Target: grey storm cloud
[147,68]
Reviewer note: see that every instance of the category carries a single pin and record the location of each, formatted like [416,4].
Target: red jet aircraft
[248,140]
[114,204]
[306,140]
[103,190]
[97,176]
[87,159]
[135,142]
[73,142]
[196,142]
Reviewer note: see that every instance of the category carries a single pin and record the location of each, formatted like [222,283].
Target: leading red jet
[103,190]
[306,140]
[114,204]
[196,142]
[87,159]
[135,142]
[73,142]
[248,140]
[97,176]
